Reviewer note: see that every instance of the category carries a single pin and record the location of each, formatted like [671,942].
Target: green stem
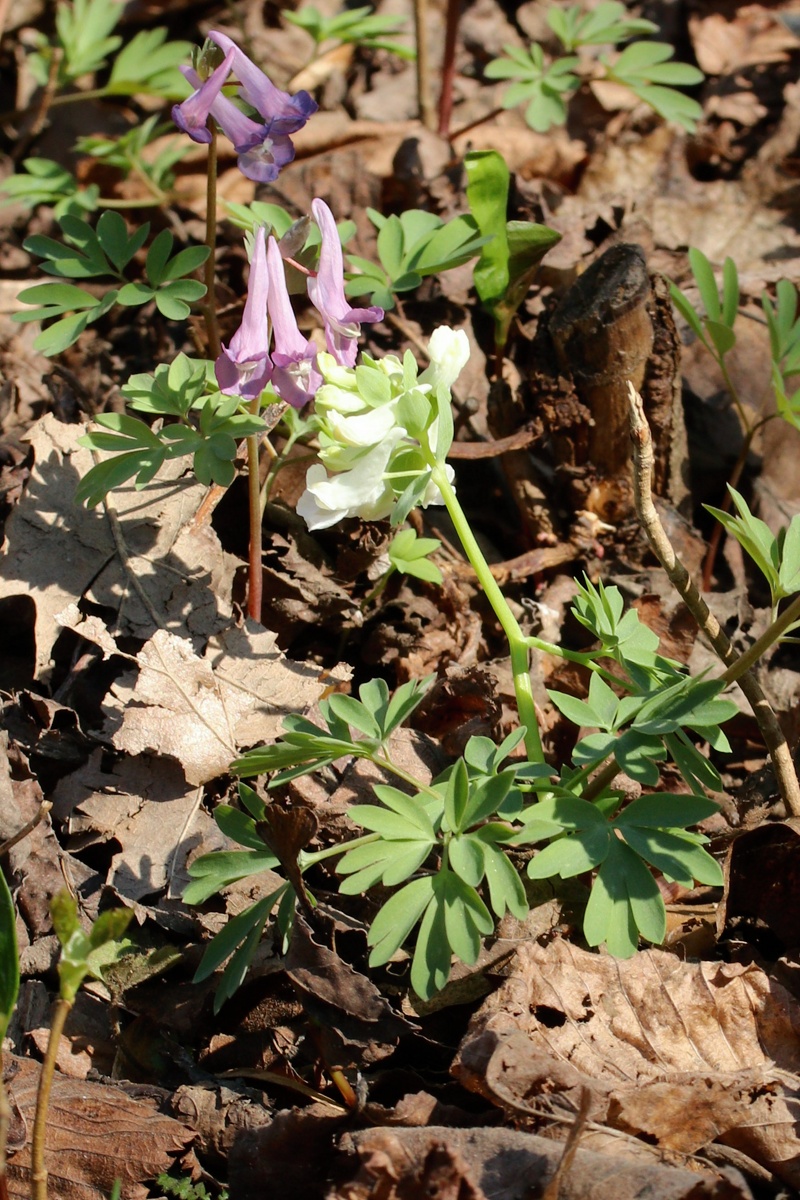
[74,97]
[317,856]
[517,642]
[101,203]
[577,656]
[599,782]
[733,393]
[767,639]
[209,309]
[378,589]
[387,765]
[158,193]
[38,1169]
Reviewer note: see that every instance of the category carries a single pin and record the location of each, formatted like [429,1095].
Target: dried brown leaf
[202,711]
[680,1053]
[58,552]
[95,1134]
[341,1001]
[401,1164]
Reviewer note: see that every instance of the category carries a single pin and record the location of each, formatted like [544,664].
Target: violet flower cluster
[245,366]
[263,145]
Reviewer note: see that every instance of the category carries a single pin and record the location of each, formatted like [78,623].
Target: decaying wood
[603,335]
[613,325]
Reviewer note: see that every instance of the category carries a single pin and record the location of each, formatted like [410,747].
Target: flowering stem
[517,642]
[255,578]
[209,309]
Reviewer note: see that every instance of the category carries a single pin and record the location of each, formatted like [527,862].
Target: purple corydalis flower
[244,368]
[295,375]
[262,151]
[326,291]
[191,115]
[284,113]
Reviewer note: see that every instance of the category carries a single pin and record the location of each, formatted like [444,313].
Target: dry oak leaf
[58,551]
[682,1054]
[504,1164]
[754,36]
[95,1134]
[145,805]
[203,711]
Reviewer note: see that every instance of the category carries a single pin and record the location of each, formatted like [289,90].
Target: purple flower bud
[244,368]
[284,113]
[295,375]
[191,115]
[326,292]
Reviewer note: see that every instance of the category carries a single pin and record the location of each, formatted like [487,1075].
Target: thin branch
[453,13]
[47,97]
[686,588]
[125,558]
[427,113]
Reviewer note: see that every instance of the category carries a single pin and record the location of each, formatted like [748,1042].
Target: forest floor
[130,677]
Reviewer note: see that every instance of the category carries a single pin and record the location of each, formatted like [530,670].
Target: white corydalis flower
[359,492]
[448,350]
[362,436]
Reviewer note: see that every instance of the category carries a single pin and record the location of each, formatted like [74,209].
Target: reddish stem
[448,67]
[255,578]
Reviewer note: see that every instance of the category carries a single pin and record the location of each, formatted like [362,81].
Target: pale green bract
[380,433]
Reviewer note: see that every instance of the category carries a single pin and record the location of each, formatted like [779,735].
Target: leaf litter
[134,682]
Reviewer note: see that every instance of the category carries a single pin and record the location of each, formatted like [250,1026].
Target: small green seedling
[777,558]
[106,253]
[546,85]
[43,181]
[84,42]
[410,247]
[783,321]
[83,955]
[205,425]
[127,154]
[513,250]
[356,27]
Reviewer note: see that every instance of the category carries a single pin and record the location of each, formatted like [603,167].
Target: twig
[448,67]
[424,102]
[40,118]
[679,577]
[125,558]
[552,1191]
[44,809]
